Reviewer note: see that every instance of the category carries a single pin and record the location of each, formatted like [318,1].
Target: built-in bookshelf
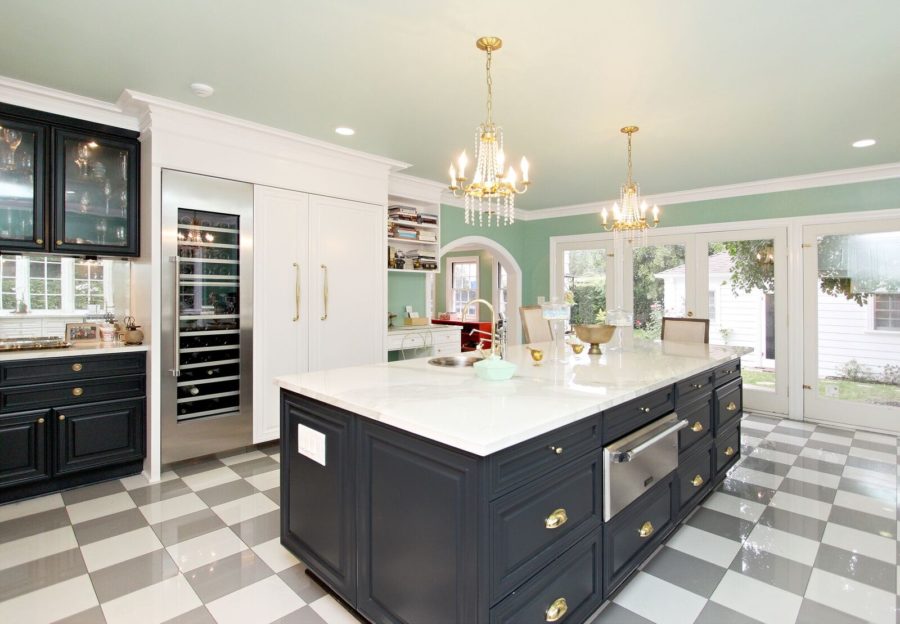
[413,236]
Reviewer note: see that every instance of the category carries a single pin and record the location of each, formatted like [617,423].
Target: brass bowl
[577,347]
[595,335]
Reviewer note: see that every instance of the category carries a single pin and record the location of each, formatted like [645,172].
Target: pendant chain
[490,91]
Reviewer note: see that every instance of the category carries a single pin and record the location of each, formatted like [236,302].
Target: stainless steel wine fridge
[207,320]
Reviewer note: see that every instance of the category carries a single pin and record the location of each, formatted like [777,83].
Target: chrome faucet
[495,347]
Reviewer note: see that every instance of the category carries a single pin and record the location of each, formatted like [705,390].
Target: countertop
[100,348]
[430,327]
[453,407]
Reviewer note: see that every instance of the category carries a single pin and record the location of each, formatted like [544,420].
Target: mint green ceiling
[724,92]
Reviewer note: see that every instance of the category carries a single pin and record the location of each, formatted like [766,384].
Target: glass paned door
[852,351]
[21,185]
[584,272]
[662,281]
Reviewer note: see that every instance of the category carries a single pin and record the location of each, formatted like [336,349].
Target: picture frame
[82,332]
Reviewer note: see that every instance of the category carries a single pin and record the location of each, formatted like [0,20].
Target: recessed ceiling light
[864,143]
[201,89]
[344,131]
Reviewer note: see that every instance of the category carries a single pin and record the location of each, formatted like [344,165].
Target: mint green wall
[485,279]
[405,289]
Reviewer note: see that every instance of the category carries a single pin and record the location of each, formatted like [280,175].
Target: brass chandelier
[491,193]
[630,217]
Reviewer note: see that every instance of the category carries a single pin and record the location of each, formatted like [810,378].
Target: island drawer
[531,525]
[699,417]
[20,398]
[568,590]
[628,417]
[694,388]
[695,474]
[519,464]
[727,372]
[728,447]
[44,370]
[728,403]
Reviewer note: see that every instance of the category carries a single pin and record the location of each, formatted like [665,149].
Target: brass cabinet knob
[646,410]
[40,421]
[557,449]
[77,391]
[731,406]
[696,386]
[77,367]
[697,481]
[39,241]
[646,529]
[557,610]
[556,519]
[62,416]
[697,427]
[59,242]
[729,451]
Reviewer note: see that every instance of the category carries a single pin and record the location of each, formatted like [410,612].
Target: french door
[851,291]
[586,270]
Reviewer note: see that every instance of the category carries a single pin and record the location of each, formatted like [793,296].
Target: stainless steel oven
[633,464]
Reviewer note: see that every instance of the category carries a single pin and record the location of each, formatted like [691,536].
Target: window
[712,305]
[88,285]
[8,292]
[45,283]
[463,285]
[502,291]
[887,312]
[55,284]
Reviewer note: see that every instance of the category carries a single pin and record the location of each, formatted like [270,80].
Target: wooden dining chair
[685,329]
[535,326]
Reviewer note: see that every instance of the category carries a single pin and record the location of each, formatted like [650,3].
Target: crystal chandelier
[490,193]
[631,216]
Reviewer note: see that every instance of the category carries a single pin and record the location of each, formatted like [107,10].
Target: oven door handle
[620,457]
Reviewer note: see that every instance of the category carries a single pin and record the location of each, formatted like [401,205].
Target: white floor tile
[660,601]
[887,458]
[120,548]
[831,439]
[275,555]
[822,455]
[265,481]
[140,480]
[843,594]
[11,511]
[238,459]
[263,601]
[755,424]
[163,510]
[245,508]
[786,439]
[762,479]
[756,599]
[52,603]
[331,611]
[801,505]
[857,541]
[210,478]
[814,476]
[877,438]
[36,547]
[866,504]
[797,424]
[276,457]
[207,548]
[774,456]
[881,479]
[735,506]
[99,507]
[784,544]
[157,603]
[704,545]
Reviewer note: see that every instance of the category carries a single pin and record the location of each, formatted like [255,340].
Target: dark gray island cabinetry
[408,529]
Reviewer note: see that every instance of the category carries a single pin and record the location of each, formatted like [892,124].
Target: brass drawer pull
[697,481]
[40,421]
[557,449]
[697,427]
[646,410]
[77,391]
[646,529]
[77,367]
[731,406]
[62,416]
[729,451]
[696,386]
[556,519]
[557,610]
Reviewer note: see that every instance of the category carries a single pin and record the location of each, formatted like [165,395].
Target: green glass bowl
[494,369]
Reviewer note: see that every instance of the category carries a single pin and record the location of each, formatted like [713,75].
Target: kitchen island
[422,494]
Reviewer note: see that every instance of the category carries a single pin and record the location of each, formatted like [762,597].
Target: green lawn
[843,389]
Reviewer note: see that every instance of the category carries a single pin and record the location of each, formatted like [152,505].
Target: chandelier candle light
[490,192]
[631,216]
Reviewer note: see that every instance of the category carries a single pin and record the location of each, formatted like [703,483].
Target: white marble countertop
[429,327]
[454,407]
[99,348]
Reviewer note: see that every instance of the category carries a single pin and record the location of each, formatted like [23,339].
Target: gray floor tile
[132,575]
[109,526]
[39,573]
[159,491]
[200,615]
[255,466]
[875,446]
[827,446]
[809,490]
[298,580]
[863,521]
[274,495]
[766,420]
[88,492]
[303,615]
[714,613]
[685,571]
[873,490]
[819,466]
[33,524]
[874,466]
[186,527]
[749,491]
[227,575]
[226,492]
[812,612]
[191,466]
[722,524]
[772,569]
[93,615]
[798,524]
[793,431]
[774,445]
[259,529]
[858,567]
[615,614]
[269,448]
[835,431]
[764,465]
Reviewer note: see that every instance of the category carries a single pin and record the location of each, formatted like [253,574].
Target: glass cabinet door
[21,185]
[96,195]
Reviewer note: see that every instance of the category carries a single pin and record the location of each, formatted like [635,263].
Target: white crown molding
[410,187]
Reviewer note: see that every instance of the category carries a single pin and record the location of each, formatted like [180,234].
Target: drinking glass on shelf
[123,164]
[85,202]
[101,231]
[120,233]
[83,159]
[13,139]
[123,201]
[107,190]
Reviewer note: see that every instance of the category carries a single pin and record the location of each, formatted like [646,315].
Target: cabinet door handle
[557,449]
[697,481]
[296,292]
[176,332]
[697,427]
[729,451]
[731,406]
[77,391]
[62,416]
[77,367]
[557,610]
[556,519]
[40,421]
[325,291]
[696,386]
[646,529]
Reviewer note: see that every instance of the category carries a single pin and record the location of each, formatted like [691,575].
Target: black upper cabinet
[67,186]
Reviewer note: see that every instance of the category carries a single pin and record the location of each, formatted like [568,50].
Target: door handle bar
[623,456]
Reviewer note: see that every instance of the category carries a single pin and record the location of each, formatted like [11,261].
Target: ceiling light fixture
[201,89]
[488,180]
[631,216]
[864,143]
[345,131]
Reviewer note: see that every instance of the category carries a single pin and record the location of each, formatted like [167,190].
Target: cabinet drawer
[727,372]
[728,403]
[19,398]
[71,368]
[692,389]
[694,476]
[98,434]
[699,417]
[633,415]
[446,348]
[521,463]
[445,337]
[568,590]
[530,526]
[728,447]
[407,340]
[631,535]
[23,447]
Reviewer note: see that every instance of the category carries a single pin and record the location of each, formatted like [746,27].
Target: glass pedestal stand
[557,314]
[622,319]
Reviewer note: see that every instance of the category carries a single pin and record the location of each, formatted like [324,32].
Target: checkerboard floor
[803,530]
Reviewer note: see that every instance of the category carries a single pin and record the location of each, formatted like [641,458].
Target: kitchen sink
[454,361]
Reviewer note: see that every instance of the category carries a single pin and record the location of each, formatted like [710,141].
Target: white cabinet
[318,291]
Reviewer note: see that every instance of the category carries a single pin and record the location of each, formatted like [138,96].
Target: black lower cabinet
[694,478]
[24,456]
[100,434]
